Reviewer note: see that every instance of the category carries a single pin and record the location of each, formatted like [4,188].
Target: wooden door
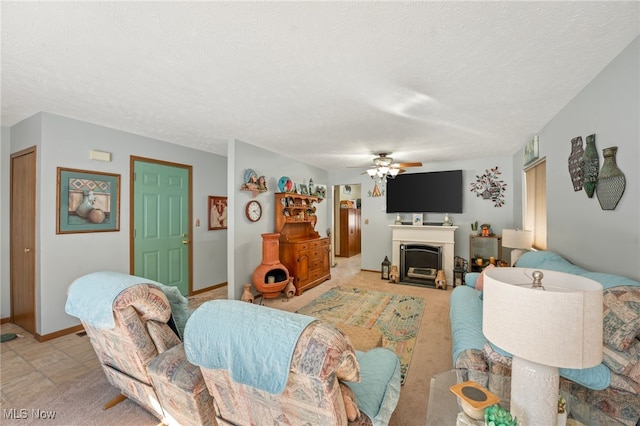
[358,231]
[23,239]
[161,200]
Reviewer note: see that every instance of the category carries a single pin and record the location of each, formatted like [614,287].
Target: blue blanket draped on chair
[254,343]
[91,297]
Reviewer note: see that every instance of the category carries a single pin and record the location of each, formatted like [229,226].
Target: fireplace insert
[419,263]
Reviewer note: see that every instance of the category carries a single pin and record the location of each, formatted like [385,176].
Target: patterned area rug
[396,316]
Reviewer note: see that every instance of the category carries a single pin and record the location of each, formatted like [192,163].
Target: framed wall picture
[417,219]
[87,201]
[531,151]
[217,212]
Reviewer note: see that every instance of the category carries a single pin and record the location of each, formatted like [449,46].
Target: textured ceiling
[327,83]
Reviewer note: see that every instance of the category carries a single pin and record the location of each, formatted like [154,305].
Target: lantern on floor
[457,276]
[459,270]
[386,266]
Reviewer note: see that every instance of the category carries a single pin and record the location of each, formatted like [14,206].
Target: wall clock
[253,211]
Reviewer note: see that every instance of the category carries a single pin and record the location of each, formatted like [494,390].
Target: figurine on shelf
[486,230]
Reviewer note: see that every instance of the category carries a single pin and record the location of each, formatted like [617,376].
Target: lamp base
[515,255]
[534,393]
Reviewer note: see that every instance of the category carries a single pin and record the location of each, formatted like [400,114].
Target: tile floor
[29,368]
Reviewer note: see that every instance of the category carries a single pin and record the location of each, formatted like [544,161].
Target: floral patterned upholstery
[144,358]
[323,359]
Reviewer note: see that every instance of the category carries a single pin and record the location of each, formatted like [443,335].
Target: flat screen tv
[431,192]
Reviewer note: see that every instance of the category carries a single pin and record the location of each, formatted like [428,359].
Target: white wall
[5,166]
[376,234]
[246,243]
[62,258]
[577,228]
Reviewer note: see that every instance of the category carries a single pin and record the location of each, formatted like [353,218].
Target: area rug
[396,316]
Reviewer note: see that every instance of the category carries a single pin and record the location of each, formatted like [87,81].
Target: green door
[162,242]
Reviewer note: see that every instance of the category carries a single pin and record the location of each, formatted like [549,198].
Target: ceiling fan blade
[401,165]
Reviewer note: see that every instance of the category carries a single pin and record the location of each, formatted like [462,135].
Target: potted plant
[562,411]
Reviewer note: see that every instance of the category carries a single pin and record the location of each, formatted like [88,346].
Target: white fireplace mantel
[442,236]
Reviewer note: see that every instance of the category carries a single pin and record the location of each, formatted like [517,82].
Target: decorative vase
[290,289]
[562,419]
[590,166]
[611,180]
[247,296]
[575,163]
[96,216]
[86,205]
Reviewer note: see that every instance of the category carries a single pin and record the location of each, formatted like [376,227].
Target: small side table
[442,408]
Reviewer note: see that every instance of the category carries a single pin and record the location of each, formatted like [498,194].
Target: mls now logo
[21,414]
[14,413]
[42,414]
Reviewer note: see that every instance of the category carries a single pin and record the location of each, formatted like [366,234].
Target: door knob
[27,250]
[186,241]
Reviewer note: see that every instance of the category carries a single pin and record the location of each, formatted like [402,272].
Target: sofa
[608,393]
[267,366]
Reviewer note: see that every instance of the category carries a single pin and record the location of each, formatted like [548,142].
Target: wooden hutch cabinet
[306,255]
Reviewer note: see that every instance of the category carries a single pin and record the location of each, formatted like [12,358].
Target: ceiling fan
[384,167]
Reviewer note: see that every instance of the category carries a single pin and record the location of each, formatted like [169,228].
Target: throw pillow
[626,362]
[621,316]
[480,280]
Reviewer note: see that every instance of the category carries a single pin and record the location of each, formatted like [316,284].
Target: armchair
[130,324]
[266,366]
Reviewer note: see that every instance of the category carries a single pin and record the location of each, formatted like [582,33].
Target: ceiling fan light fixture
[384,168]
[382,161]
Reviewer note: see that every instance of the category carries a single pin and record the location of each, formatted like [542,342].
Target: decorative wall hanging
[611,180]
[217,212]
[285,184]
[575,163]
[254,183]
[590,166]
[490,187]
[531,151]
[376,192]
[87,201]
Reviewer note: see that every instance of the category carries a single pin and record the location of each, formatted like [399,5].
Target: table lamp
[546,320]
[517,239]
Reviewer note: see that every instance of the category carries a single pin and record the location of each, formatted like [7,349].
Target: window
[535,209]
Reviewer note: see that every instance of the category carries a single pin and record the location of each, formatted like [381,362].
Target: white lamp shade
[560,326]
[517,238]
